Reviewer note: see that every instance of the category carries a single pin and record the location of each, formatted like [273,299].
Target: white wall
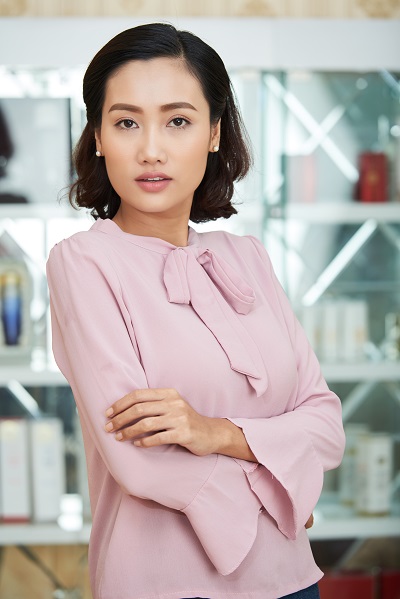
[242,42]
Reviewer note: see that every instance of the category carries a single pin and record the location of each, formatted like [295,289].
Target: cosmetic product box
[15,505]
[374,474]
[47,468]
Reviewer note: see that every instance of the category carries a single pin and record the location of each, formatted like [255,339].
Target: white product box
[48,468]
[329,349]
[348,468]
[353,329]
[15,503]
[374,474]
[301,178]
[311,322]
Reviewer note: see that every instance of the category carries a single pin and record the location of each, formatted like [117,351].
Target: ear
[97,137]
[215,135]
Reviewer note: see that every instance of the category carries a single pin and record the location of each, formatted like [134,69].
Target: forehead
[154,82]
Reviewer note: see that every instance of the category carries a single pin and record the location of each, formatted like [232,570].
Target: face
[155,124]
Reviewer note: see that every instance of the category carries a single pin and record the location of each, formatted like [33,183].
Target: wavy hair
[212,199]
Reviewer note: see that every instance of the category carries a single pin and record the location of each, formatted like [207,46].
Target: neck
[174,231]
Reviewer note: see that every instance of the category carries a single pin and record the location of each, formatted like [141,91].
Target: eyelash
[176,118]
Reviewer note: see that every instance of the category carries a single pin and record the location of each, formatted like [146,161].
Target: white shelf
[362,371]
[323,529]
[346,372]
[43,211]
[354,528]
[42,534]
[30,378]
[338,212]
[335,521]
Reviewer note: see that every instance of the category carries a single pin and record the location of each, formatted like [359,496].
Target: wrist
[229,440]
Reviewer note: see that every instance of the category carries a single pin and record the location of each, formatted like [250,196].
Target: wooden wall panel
[207,8]
[19,577]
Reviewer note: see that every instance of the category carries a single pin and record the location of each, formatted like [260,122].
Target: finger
[137,396]
[161,438]
[147,426]
[135,412]
[310,521]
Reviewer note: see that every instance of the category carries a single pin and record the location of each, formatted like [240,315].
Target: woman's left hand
[310,521]
[165,418]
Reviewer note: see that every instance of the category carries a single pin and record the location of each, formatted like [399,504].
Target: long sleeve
[94,346]
[294,448]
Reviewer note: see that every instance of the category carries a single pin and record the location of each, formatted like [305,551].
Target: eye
[179,123]
[126,124]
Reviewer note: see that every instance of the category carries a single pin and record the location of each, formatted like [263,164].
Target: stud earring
[98,153]
[216,148]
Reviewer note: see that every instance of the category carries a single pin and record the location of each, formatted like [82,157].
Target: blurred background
[318,84]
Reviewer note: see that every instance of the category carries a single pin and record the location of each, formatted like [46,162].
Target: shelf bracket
[341,260]
[24,398]
[355,398]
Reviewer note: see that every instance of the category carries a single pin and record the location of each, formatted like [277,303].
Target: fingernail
[118,436]
[109,412]
[109,426]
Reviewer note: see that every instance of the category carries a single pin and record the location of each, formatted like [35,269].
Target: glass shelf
[42,534]
[337,212]
[367,371]
[32,378]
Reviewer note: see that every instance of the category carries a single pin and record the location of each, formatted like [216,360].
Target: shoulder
[84,244]
[80,256]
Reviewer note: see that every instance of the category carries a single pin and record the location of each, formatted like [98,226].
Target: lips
[152,182]
[153,176]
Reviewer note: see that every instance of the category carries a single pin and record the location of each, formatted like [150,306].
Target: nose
[151,148]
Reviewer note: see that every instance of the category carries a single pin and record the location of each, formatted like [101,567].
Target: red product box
[390,584]
[348,585]
[372,185]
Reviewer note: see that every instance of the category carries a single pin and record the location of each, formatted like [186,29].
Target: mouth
[153,183]
[153,177]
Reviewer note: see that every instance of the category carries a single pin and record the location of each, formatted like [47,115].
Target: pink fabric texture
[212,321]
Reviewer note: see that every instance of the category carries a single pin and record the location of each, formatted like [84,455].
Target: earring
[98,153]
[216,148]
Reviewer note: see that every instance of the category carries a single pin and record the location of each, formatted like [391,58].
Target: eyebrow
[163,108]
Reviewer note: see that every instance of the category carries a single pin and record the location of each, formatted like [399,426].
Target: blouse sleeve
[295,448]
[94,346]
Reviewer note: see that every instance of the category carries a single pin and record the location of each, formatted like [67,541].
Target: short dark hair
[212,198]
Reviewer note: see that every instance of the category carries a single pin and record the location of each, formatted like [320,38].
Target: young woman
[207,423]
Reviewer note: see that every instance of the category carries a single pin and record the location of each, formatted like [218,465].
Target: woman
[206,421]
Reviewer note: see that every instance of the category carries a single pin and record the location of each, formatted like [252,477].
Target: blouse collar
[150,243]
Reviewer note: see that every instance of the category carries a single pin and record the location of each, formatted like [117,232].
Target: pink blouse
[212,321]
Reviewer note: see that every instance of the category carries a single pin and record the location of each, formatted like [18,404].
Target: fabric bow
[217,293]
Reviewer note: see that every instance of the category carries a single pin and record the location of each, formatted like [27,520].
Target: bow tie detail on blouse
[218,294]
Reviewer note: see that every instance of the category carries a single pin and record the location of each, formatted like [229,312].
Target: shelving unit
[316,125]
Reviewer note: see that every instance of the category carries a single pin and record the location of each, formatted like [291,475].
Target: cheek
[193,158]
